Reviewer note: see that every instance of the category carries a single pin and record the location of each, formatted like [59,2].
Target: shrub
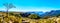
[33,16]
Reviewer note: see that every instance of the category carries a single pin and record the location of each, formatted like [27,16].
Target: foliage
[17,15]
[46,17]
[33,16]
[24,14]
[58,15]
[17,18]
[11,13]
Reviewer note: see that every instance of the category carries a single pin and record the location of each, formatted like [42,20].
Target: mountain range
[51,13]
[41,14]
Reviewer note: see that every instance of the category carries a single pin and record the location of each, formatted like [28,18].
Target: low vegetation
[17,18]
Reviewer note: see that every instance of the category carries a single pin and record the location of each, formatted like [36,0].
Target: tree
[24,14]
[17,15]
[33,16]
[8,6]
[58,15]
[11,13]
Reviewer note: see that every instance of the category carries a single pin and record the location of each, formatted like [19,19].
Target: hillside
[16,17]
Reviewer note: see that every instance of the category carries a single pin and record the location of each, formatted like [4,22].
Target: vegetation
[33,16]
[58,15]
[17,15]
[17,18]
[11,13]
[46,17]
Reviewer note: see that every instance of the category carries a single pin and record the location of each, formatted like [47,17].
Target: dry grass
[13,19]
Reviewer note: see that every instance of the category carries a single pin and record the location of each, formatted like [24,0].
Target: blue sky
[32,5]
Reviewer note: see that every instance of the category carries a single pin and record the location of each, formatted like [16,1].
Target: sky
[31,5]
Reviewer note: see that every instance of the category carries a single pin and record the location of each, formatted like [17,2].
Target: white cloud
[27,9]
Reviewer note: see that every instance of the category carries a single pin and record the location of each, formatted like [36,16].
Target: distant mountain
[28,13]
[2,11]
[36,12]
[51,13]
[40,13]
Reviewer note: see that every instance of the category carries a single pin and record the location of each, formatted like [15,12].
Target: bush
[17,15]
[33,16]
[11,13]
[46,17]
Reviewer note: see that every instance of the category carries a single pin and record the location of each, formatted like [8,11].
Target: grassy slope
[12,18]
